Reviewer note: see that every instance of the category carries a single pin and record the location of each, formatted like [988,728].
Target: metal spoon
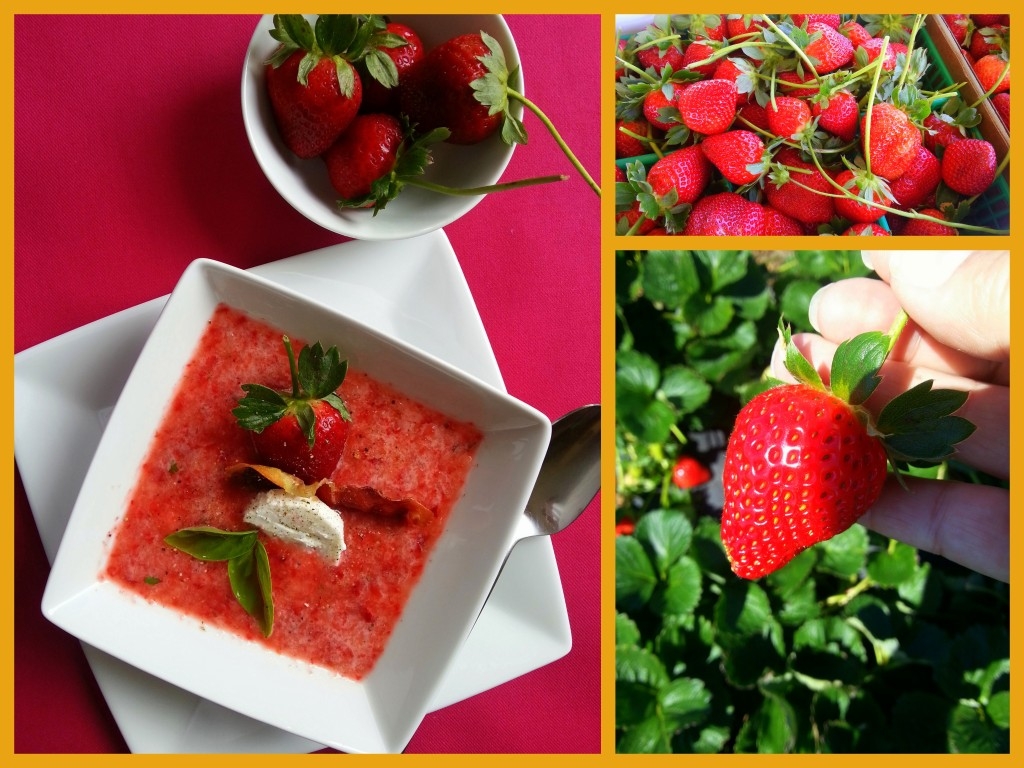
[569,478]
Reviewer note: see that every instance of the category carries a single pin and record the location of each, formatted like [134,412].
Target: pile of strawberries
[984,40]
[792,125]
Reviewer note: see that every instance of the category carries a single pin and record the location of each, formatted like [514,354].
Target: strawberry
[698,51]
[828,49]
[838,114]
[438,93]
[868,229]
[864,187]
[873,48]
[632,221]
[988,40]
[626,142]
[919,182]
[709,27]
[894,140]
[960,25]
[797,188]
[1001,101]
[737,25]
[792,83]
[988,19]
[659,109]
[737,154]
[725,213]
[778,223]
[667,53]
[969,166]
[855,33]
[788,116]
[403,46]
[829,19]
[941,131]
[304,431]
[364,153]
[689,473]
[314,89]
[742,75]
[993,73]
[680,176]
[805,461]
[753,115]
[708,106]
[925,227]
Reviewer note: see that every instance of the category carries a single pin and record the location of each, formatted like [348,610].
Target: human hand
[959,336]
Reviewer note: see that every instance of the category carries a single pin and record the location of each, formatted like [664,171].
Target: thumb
[960,298]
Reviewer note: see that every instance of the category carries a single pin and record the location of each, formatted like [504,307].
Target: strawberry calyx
[315,378]
[344,38]
[917,427]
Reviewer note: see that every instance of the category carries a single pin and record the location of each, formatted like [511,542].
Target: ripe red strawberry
[698,51]
[365,152]
[738,154]
[438,93]
[919,182]
[959,25]
[752,114]
[941,131]
[742,75]
[868,229]
[805,197]
[792,83]
[856,33]
[806,460]
[788,116]
[866,188]
[924,227]
[828,50]
[304,431]
[314,89]
[840,116]
[737,24]
[684,172]
[626,143]
[707,27]
[657,57]
[633,221]
[708,106]
[725,213]
[873,47]
[894,140]
[689,473]
[778,223]
[988,40]
[400,44]
[1001,101]
[988,19]
[660,110]
[969,166]
[831,19]
[990,72]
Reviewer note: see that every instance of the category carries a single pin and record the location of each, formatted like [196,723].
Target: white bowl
[381,712]
[304,183]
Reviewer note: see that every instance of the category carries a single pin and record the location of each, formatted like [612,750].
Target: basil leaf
[207,543]
[249,575]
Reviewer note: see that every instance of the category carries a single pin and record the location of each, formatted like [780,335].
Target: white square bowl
[381,712]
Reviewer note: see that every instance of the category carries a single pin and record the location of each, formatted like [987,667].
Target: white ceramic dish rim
[512,636]
[304,185]
[73,595]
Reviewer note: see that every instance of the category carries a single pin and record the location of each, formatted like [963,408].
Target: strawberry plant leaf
[635,578]
[335,32]
[683,588]
[293,31]
[685,702]
[670,277]
[685,388]
[796,363]
[641,668]
[382,68]
[855,366]
[212,544]
[260,407]
[668,534]
[320,372]
[918,426]
[893,566]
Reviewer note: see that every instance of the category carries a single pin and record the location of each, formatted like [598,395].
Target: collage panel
[812,124]
[812,501]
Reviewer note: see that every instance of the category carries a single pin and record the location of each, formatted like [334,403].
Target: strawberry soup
[338,617]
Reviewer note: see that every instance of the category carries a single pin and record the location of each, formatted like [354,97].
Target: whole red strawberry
[788,116]
[400,44]
[969,166]
[989,39]
[726,213]
[438,92]
[959,25]
[854,32]
[993,73]
[919,182]
[873,48]
[626,142]
[894,140]
[737,154]
[657,57]
[682,175]
[926,227]
[364,153]
[778,223]
[697,52]
[838,115]
[865,188]
[708,106]
[806,460]
[828,49]
[940,130]
[660,109]
[304,431]
[689,473]
[1001,101]
[313,86]
[797,188]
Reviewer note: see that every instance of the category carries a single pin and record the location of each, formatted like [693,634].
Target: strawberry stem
[796,48]
[557,137]
[871,103]
[991,91]
[895,330]
[292,367]
[470,191]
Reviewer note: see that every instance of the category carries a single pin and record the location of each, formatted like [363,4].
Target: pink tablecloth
[131,160]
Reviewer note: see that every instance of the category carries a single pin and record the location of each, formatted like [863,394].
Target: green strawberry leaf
[320,372]
[855,366]
[335,32]
[294,32]
[918,425]
[796,363]
[382,68]
[260,407]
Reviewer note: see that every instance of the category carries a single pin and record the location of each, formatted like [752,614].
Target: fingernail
[814,307]
[778,364]
[865,256]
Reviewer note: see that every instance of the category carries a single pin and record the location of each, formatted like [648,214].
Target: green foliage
[860,644]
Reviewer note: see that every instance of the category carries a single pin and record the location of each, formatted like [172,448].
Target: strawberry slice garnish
[302,431]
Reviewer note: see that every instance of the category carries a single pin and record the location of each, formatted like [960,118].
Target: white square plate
[346,273]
